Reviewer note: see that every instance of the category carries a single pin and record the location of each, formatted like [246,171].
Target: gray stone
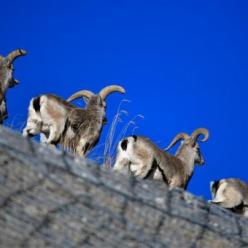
[50,199]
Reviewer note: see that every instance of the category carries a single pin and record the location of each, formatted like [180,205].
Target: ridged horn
[200,131]
[81,93]
[109,89]
[176,139]
[15,54]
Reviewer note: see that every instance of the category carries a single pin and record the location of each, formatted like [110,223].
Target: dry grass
[112,138]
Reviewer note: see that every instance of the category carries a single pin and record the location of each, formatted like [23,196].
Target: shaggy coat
[60,122]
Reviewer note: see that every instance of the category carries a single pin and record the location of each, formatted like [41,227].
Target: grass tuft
[111,143]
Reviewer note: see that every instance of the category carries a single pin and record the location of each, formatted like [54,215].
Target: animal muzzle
[13,82]
[202,161]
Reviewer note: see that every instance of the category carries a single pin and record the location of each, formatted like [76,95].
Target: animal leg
[83,148]
[122,165]
[143,169]
[32,128]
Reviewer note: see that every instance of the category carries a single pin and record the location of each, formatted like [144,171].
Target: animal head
[6,69]
[190,144]
[97,101]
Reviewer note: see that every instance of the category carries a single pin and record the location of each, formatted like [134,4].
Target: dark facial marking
[36,104]
[199,152]
[215,186]
[135,137]
[124,144]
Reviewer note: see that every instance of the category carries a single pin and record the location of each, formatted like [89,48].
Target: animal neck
[4,76]
[187,158]
[2,85]
[1,95]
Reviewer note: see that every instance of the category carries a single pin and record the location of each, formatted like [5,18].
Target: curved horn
[16,53]
[195,135]
[176,139]
[109,89]
[81,93]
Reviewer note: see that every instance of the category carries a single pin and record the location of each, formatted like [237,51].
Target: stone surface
[49,199]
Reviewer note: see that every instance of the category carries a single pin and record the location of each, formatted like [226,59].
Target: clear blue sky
[183,63]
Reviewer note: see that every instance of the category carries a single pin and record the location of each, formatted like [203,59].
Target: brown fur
[63,123]
[140,154]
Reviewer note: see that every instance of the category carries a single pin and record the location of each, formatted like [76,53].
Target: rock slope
[49,199]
